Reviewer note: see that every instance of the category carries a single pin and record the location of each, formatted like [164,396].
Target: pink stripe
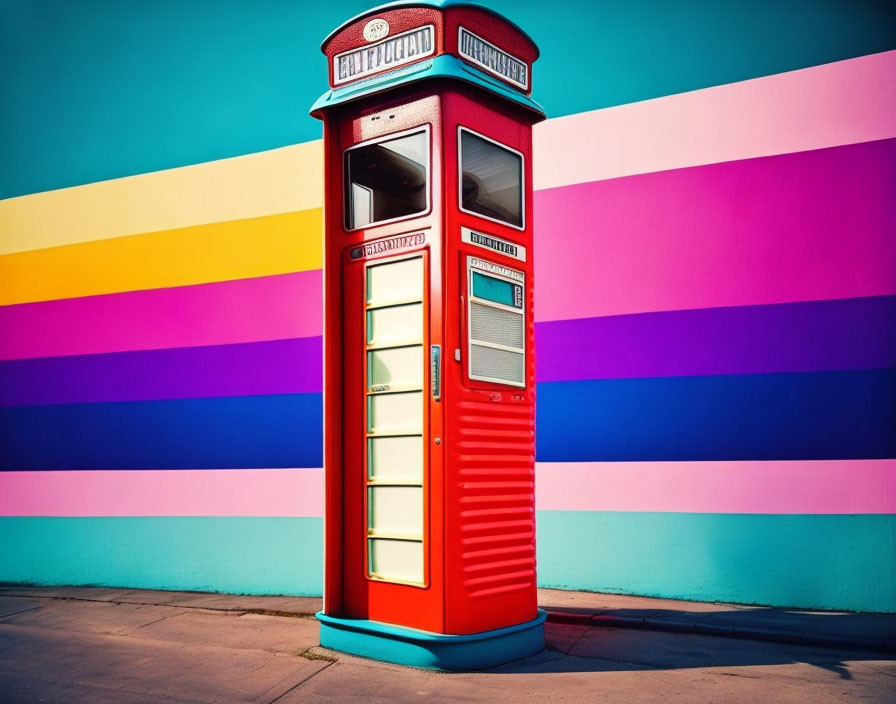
[823,106]
[802,486]
[809,226]
[247,310]
[778,487]
[178,492]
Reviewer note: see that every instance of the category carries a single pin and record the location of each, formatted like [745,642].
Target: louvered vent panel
[495,325]
[496,364]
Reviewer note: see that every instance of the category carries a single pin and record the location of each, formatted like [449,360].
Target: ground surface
[152,647]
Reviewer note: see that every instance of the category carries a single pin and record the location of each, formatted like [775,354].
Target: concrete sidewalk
[99,646]
[874,632]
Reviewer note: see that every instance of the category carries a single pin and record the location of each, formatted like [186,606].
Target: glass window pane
[395,367]
[396,559]
[395,324]
[396,510]
[395,413]
[395,281]
[386,180]
[398,458]
[492,180]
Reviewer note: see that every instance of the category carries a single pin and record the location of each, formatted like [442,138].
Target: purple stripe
[247,369]
[856,333]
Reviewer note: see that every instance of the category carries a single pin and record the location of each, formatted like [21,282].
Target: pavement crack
[117,602]
[738,674]
[301,682]
[15,613]
[581,635]
[144,625]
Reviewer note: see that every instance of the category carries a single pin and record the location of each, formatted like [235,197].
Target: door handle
[435,371]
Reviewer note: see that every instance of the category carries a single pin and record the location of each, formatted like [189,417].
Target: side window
[496,323]
[387,179]
[491,179]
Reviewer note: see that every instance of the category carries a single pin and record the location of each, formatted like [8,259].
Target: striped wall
[716,349]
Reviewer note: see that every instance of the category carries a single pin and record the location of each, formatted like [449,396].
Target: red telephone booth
[429,380]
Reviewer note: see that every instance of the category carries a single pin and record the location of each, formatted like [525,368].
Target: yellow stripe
[277,181]
[276,244]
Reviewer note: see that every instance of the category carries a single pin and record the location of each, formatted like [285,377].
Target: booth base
[437,651]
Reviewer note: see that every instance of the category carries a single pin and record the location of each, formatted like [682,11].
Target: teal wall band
[843,562]
[245,555]
[202,81]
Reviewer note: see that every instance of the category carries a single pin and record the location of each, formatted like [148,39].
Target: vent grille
[495,325]
[496,364]
[495,483]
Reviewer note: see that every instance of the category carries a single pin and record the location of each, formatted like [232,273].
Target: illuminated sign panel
[386,54]
[493,59]
[497,290]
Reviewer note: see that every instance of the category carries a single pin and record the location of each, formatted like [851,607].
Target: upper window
[387,179]
[491,179]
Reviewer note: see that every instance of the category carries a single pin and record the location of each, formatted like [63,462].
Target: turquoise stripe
[100,89]
[811,561]
[245,555]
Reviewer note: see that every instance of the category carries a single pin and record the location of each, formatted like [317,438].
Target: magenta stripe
[811,486]
[856,333]
[245,369]
[247,310]
[778,487]
[182,492]
[806,226]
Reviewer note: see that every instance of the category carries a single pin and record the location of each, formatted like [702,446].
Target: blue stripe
[209,433]
[817,415]
[100,89]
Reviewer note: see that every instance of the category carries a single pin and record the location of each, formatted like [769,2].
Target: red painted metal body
[478,436]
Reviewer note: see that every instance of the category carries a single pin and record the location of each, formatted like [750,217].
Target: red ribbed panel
[495,493]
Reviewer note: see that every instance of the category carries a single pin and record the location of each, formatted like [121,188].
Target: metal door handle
[435,368]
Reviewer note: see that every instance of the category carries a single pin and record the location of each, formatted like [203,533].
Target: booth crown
[407,41]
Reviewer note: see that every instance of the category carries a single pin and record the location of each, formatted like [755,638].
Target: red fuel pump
[429,338]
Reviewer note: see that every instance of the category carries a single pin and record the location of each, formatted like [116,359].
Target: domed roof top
[437,4]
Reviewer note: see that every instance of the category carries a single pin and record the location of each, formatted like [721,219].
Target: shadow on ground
[575,647]
[817,628]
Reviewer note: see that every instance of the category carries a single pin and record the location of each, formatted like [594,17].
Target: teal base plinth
[435,651]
